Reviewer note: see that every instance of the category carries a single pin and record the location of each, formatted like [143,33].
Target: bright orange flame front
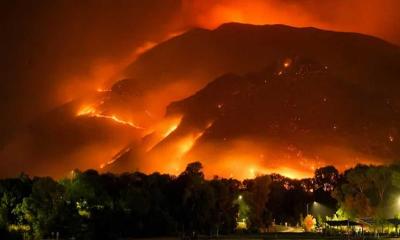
[90,111]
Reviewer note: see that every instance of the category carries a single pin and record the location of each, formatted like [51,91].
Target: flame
[188,142]
[236,158]
[87,110]
[162,130]
[173,149]
[101,90]
[90,111]
[115,158]
[292,173]
[170,130]
[143,48]
[174,153]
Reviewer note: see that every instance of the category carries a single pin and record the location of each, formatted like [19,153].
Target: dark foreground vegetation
[89,205]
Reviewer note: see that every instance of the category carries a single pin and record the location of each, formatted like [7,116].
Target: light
[100,90]
[240,197]
[311,205]
[287,63]
[252,172]
[170,130]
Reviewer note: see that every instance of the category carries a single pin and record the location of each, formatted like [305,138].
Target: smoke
[54,52]
[244,157]
[374,17]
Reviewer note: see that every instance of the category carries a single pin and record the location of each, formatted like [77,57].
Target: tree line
[90,205]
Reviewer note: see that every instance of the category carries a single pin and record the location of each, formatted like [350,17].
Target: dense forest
[90,205]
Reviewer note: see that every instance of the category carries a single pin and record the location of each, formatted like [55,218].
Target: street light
[313,203]
[240,197]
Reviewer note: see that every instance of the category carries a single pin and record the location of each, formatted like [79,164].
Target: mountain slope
[270,97]
[200,55]
[296,114]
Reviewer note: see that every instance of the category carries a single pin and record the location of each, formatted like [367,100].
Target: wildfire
[292,173]
[162,130]
[115,158]
[144,48]
[170,130]
[174,154]
[186,144]
[90,111]
[174,150]
[101,90]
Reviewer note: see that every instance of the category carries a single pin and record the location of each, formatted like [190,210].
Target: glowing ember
[100,90]
[287,63]
[88,110]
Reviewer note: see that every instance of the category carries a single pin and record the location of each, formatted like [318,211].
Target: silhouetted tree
[256,196]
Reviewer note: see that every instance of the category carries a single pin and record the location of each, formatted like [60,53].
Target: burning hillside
[272,121]
[269,98]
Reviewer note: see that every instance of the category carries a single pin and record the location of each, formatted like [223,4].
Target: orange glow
[292,173]
[101,74]
[100,90]
[90,111]
[375,18]
[87,110]
[162,130]
[287,63]
[143,48]
[181,148]
[253,12]
[186,144]
[169,154]
[245,158]
[167,149]
[115,158]
[170,130]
